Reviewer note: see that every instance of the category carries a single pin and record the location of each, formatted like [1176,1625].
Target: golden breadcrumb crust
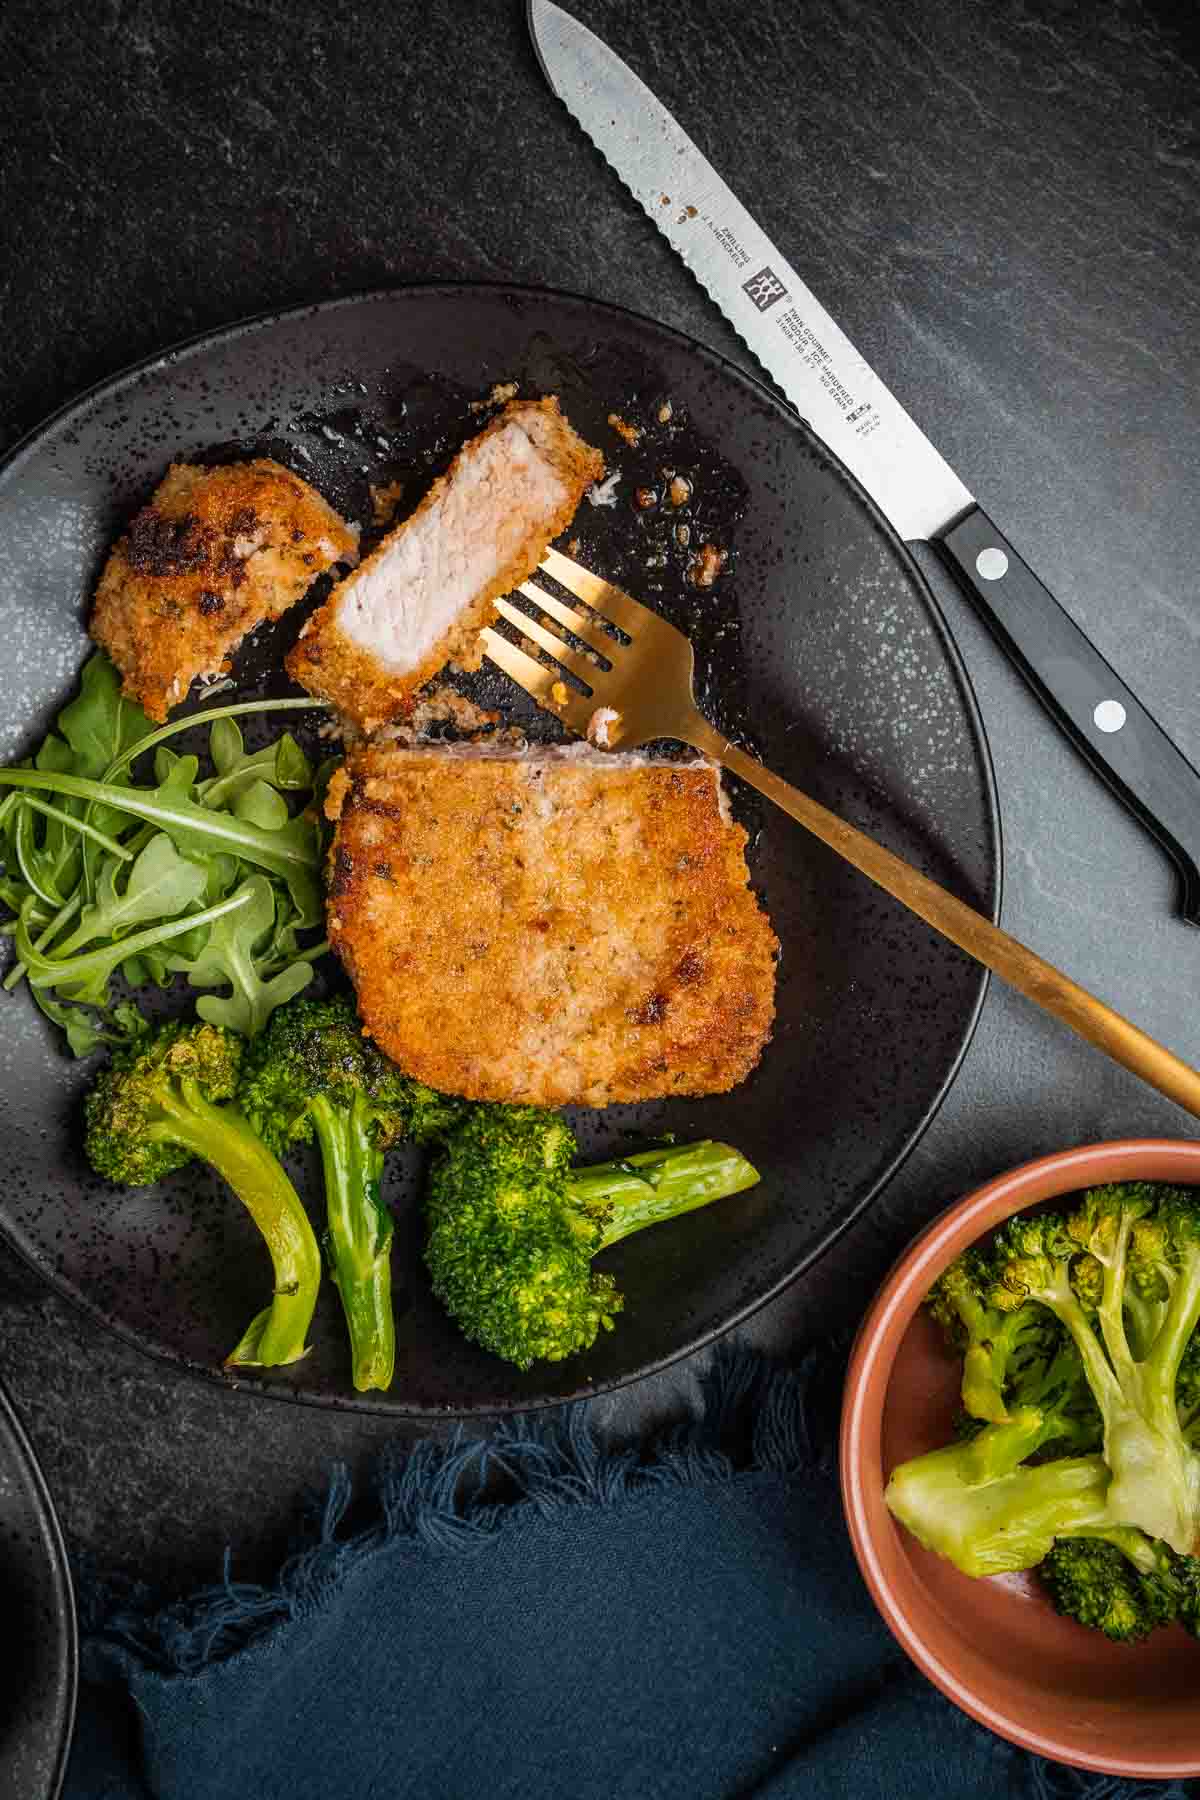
[549,928]
[215,553]
[332,664]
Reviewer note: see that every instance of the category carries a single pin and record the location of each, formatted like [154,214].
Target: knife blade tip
[537,17]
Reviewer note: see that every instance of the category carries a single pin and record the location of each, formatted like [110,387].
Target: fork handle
[1006,956]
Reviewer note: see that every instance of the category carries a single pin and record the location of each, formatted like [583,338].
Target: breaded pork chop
[215,553]
[549,926]
[419,600]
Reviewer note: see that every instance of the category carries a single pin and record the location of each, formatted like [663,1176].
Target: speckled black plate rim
[264,322]
[12,1429]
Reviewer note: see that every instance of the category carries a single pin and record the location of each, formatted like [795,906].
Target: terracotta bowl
[996,1647]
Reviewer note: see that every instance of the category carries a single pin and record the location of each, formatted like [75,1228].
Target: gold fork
[645,692]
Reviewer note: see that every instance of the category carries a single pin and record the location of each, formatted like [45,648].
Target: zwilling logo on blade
[764,289]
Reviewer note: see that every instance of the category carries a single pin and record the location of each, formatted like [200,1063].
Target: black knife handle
[1107,723]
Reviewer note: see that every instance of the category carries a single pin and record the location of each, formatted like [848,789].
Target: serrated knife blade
[759,292]
[862,422]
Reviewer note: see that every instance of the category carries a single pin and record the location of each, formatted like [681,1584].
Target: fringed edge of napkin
[754,1416]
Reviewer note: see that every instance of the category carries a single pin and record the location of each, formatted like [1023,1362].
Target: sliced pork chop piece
[215,553]
[419,600]
[549,926]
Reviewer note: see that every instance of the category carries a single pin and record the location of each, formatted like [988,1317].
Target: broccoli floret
[1009,1355]
[1095,1581]
[1131,1306]
[312,1073]
[317,1046]
[1187,1575]
[1119,1279]
[512,1230]
[165,1102]
[982,1334]
[1119,1581]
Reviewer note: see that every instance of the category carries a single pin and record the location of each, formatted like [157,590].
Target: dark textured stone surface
[998,203]
[36,1604]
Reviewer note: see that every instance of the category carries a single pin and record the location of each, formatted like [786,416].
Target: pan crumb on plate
[215,553]
[552,926]
[419,600]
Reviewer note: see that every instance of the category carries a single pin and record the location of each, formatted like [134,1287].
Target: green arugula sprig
[210,875]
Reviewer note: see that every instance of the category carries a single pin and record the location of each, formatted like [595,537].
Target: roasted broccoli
[166,1101]
[1122,1274]
[313,1073]
[1124,1584]
[512,1229]
[1012,1357]
[1078,1334]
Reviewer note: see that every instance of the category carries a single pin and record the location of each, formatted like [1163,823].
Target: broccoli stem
[654,1185]
[220,1136]
[984,1509]
[1178,1324]
[1133,1544]
[360,1236]
[1111,1310]
[1155,1475]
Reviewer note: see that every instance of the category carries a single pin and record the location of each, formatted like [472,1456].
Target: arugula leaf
[293,851]
[92,728]
[85,977]
[30,862]
[102,874]
[226,746]
[190,721]
[87,1030]
[100,724]
[228,956]
[281,765]
[57,860]
[261,804]
[68,824]
[293,771]
[161,885]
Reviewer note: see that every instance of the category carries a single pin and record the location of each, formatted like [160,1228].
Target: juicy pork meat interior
[215,553]
[549,926]
[419,600]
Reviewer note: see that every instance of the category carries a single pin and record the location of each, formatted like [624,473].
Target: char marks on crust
[420,599]
[215,553]
[549,928]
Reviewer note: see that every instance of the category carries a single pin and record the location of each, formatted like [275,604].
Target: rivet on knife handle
[1106,721]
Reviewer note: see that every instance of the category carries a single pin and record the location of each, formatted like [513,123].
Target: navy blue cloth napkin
[535,1617]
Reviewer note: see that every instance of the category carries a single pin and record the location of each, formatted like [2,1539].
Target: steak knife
[848,406]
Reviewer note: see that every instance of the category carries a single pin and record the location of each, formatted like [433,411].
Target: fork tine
[538,681]
[574,622]
[610,602]
[578,664]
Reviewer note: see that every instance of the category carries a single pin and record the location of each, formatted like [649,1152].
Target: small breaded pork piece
[551,926]
[419,600]
[215,553]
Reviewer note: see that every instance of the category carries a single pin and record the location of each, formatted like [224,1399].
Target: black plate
[821,645]
[37,1695]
